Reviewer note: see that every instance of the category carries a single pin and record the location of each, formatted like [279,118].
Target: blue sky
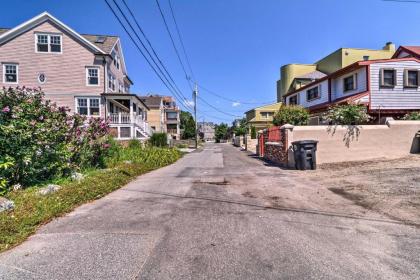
[235,47]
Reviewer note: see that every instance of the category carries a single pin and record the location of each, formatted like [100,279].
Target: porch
[127,115]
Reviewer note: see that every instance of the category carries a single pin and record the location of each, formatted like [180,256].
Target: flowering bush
[42,140]
[294,115]
[349,114]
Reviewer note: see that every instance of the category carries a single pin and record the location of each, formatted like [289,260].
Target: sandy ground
[390,187]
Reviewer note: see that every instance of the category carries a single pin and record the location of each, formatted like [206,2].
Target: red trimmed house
[387,87]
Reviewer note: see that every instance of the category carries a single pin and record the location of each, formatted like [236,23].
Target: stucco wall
[396,139]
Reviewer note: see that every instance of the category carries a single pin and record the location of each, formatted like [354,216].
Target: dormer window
[48,43]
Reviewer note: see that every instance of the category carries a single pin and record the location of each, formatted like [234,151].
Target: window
[111,82]
[120,88]
[48,43]
[10,73]
[42,78]
[388,77]
[42,43]
[55,43]
[171,115]
[293,100]
[312,93]
[266,115]
[411,78]
[349,83]
[116,60]
[92,75]
[87,106]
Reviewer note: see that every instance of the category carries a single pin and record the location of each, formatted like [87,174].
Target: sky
[235,47]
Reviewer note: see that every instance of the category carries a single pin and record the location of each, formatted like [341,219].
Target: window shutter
[381,77]
[355,81]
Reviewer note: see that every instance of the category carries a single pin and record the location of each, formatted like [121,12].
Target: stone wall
[276,153]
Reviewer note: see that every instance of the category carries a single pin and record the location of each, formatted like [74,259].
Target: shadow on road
[296,210]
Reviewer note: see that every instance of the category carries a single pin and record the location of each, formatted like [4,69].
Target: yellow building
[262,117]
[294,76]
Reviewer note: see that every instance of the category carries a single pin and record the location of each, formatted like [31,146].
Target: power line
[182,42]
[217,109]
[231,100]
[173,44]
[138,47]
[150,44]
[174,86]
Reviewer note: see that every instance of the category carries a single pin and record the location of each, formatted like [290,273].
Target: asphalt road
[218,214]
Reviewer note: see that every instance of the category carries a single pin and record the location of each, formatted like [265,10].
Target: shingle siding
[65,73]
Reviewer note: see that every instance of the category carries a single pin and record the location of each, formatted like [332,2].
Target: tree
[294,115]
[187,125]
[242,129]
[221,132]
[253,132]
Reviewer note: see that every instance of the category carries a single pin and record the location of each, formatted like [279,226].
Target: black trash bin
[305,154]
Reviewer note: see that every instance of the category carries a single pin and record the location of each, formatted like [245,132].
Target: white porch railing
[124,118]
[119,118]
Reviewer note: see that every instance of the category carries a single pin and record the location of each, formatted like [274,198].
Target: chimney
[389,46]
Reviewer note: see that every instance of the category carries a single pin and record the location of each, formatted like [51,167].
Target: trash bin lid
[304,142]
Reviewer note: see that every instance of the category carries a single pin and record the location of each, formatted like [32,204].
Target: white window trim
[17,73]
[76,105]
[48,42]
[87,76]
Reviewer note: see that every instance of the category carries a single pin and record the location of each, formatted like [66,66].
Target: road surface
[219,213]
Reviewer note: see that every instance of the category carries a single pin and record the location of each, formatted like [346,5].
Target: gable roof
[108,43]
[312,75]
[413,50]
[8,35]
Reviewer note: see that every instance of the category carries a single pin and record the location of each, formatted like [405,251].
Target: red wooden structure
[272,134]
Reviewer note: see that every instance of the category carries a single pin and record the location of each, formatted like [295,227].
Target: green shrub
[412,116]
[294,115]
[253,132]
[134,143]
[150,156]
[159,140]
[42,141]
[349,114]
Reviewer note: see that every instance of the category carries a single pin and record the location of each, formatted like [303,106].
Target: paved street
[219,213]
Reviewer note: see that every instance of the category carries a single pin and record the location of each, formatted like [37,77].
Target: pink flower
[6,109]
[106,146]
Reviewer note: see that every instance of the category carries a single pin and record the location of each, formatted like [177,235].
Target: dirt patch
[389,187]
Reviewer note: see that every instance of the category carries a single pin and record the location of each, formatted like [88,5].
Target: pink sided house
[86,73]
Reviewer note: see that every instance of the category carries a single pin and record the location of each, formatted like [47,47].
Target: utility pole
[195,93]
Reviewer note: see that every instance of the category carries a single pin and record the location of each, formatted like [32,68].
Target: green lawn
[32,210]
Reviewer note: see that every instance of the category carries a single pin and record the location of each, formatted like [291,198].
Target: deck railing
[125,118]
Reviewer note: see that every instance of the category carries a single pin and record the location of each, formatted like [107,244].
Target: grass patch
[33,210]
